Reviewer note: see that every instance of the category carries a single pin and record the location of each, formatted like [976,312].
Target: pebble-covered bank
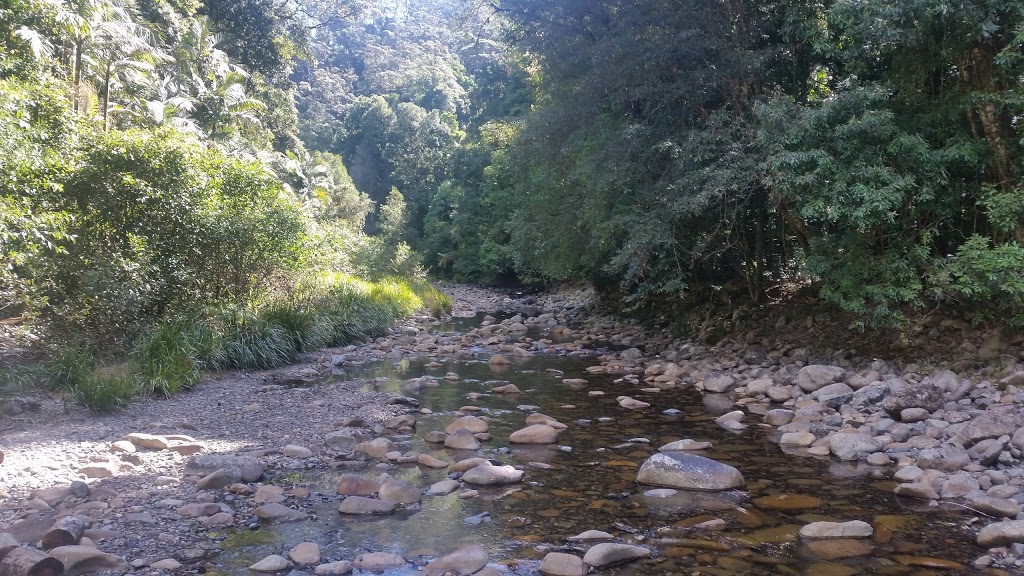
[150,489]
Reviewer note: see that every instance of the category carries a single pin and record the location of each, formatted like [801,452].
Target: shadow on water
[587,481]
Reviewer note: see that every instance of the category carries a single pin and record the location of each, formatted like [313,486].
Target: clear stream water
[587,481]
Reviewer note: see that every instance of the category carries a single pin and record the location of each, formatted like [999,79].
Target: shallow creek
[587,481]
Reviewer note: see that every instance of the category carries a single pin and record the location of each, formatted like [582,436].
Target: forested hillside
[169,159]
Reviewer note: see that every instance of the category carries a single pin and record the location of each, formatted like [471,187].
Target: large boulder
[991,424]
[689,472]
[815,376]
[927,394]
[853,446]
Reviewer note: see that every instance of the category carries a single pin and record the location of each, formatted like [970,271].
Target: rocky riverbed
[170,486]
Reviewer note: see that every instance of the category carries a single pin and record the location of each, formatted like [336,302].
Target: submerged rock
[609,554]
[490,475]
[466,560]
[689,472]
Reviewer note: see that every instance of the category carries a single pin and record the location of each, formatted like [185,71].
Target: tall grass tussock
[171,356]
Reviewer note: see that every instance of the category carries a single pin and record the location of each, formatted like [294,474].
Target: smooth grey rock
[610,554]
[852,446]
[717,382]
[489,475]
[85,559]
[272,563]
[917,490]
[274,512]
[534,434]
[998,507]
[824,530]
[378,561]
[689,472]
[443,488]
[1002,534]
[464,561]
[684,445]
[947,458]
[815,376]
[221,478]
[562,564]
[778,417]
[991,424]
[399,492]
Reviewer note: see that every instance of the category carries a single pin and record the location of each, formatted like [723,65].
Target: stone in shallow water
[272,563]
[823,530]
[534,434]
[1002,533]
[561,564]
[399,492]
[797,439]
[789,502]
[466,560]
[489,475]
[609,554]
[689,472]
[472,423]
[917,490]
[462,439]
[591,536]
[852,446]
[661,493]
[274,512]
[356,485]
[442,488]
[684,445]
[378,561]
[305,554]
[333,568]
[361,505]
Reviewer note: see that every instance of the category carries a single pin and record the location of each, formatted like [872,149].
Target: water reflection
[587,481]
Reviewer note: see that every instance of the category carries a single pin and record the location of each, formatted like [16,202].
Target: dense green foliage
[159,215]
[870,150]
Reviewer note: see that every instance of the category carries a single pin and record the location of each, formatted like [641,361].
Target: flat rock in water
[272,563]
[305,554]
[1002,533]
[688,472]
[83,559]
[823,530]
[562,564]
[534,434]
[356,485]
[490,475]
[365,506]
[274,512]
[467,560]
[333,568]
[399,492]
[443,488]
[462,439]
[472,423]
[205,464]
[684,445]
[591,536]
[378,561]
[610,554]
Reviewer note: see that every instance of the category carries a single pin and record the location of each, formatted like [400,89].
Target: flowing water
[587,481]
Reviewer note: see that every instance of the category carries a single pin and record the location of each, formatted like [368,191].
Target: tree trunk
[77,82]
[106,97]
[30,562]
[66,532]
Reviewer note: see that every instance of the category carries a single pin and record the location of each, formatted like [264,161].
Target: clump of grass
[106,389]
[251,342]
[304,324]
[172,355]
[435,301]
[70,365]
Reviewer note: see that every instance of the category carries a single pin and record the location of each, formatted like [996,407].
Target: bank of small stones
[146,499]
